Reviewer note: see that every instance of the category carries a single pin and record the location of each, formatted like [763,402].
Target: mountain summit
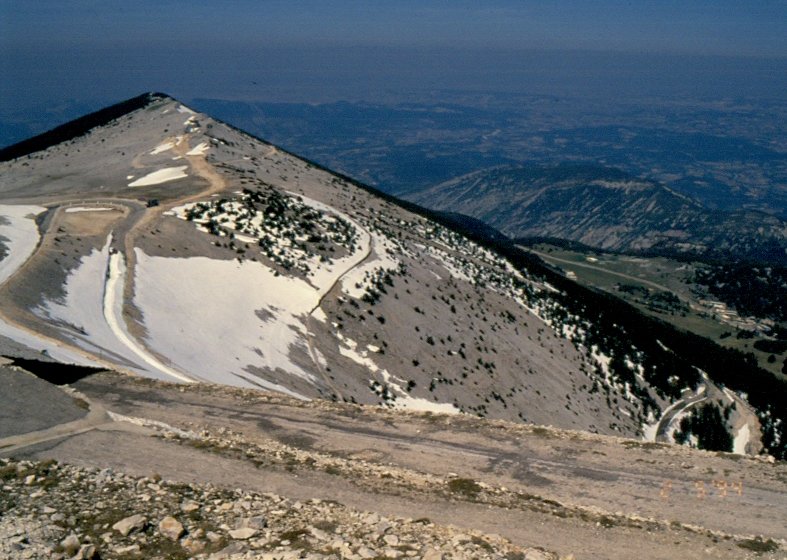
[154,240]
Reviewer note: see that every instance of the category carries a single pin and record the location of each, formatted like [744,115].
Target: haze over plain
[80,56]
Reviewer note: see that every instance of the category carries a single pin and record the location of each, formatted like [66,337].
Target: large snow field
[161,176]
[88,314]
[19,235]
[215,318]
[113,313]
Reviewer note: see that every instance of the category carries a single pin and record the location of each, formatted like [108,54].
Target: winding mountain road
[352,265]
[664,428]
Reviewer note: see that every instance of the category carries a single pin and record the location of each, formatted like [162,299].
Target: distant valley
[727,265]
[739,306]
[728,154]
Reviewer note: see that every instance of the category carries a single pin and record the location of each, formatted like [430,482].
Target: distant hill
[608,209]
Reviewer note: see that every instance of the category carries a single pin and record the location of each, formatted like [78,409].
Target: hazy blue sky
[693,26]
[54,50]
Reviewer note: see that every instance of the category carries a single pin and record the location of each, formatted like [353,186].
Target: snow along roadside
[113,312]
[19,235]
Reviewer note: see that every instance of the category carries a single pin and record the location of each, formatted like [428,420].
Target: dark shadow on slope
[55,372]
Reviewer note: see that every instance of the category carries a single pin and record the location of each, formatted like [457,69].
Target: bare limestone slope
[258,269]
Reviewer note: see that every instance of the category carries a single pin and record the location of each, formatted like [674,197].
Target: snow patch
[741,440]
[246,239]
[325,275]
[167,145]
[161,176]
[662,346]
[401,398]
[51,348]
[320,315]
[444,259]
[19,234]
[650,429]
[75,209]
[322,275]
[216,307]
[354,283]
[185,434]
[729,394]
[198,150]
[404,400]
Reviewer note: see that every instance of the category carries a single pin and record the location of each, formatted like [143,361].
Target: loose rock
[243,533]
[130,524]
[171,528]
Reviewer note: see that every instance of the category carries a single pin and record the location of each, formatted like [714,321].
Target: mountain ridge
[79,126]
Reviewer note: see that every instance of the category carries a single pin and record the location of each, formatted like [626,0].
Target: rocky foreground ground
[61,511]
